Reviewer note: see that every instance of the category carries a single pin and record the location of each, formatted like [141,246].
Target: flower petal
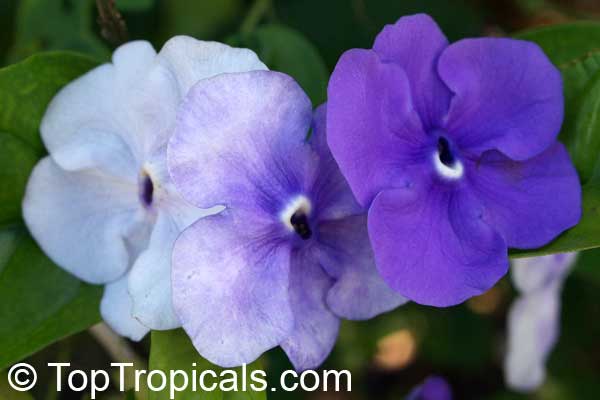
[90,148]
[372,128]
[433,246]
[507,96]
[83,220]
[533,320]
[230,287]
[191,60]
[248,130]
[415,43]
[315,326]
[99,101]
[330,189]
[533,329]
[150,279]
[150,276]
[115,308]
[434,388]
[529,202]
[534,273]
[359,291]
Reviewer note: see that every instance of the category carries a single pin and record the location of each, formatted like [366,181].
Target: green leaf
[586,235]
[173,350]
[586,142]
[564,43]
[39,302]
[17,159]
[56,25]
[286,50]
[26,89]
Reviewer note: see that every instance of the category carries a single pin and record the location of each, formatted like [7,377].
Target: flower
[433,388]
[290,255]
[453,150]
[534,318]
[102,205]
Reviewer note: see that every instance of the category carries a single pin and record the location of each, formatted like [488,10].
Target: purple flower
[453,149]
[534,318]
[290,255]
[434,388]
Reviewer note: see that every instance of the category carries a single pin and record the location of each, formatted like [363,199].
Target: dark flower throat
[147,190]
[299,221]
[445,154]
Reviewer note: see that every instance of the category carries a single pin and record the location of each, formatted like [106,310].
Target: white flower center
[295,216]
[446,163]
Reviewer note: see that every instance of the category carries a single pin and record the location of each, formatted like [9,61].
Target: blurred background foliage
[304,38]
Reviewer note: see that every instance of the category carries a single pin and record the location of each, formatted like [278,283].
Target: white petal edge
[191,60]
[115,308]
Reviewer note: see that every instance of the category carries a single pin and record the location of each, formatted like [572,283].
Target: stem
[119,350]
[255,14]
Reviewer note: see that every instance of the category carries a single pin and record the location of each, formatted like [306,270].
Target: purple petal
[240,138]
[434,388]
[508,96]
[315,326]
[415,43]
[359,291]
[529,202]
[372,128]
[330,189]
[433,246]
[230,279]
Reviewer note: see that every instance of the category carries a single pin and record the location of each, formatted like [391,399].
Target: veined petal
[373,129]
[82,220]
[359,291]
[415,43]
[240,140]
[315,326]
[115,308]
[529,202]
[230,276]
[191,60]
[434,246]
[507,96]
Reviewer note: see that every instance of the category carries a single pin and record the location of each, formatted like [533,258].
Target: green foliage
[173,350]
[205,20]
[134,5]
[34,312]
[283,49]
[56,25]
